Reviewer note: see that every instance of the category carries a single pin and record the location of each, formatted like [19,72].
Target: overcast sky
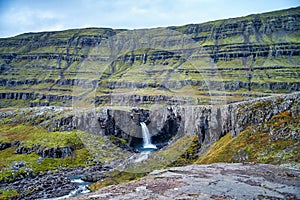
[19,16]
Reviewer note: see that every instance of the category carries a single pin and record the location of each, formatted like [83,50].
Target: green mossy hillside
[37,136]
[34,136]
[240,58]
[33,164]
[273,142]
[87,149]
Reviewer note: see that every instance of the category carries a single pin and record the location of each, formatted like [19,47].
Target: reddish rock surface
[214,181]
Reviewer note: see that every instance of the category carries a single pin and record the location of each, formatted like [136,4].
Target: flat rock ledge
[213,181]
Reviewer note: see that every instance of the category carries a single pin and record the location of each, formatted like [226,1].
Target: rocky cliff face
[209,123]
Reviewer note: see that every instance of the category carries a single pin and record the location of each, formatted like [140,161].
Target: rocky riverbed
[214,181]
[54,184]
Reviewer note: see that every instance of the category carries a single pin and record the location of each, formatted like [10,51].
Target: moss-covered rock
[8,194]
[39,150]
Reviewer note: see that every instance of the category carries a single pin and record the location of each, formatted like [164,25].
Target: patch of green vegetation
[10,133]
[232,63]
[263,144]
[218,152]
[189,156]
[80,157]
[117,140]
[4,103]
[38,136]
[293,37]
[8,194]
[52,139]
[232,40]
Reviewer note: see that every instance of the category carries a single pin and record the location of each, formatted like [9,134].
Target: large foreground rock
[214,181]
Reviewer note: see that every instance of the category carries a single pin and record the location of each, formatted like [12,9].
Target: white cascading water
[146,137]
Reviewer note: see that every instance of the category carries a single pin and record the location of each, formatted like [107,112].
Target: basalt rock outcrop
[169,129]
[210,123]
[126,125]
[54,152]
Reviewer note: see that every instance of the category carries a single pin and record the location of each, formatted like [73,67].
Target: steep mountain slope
[249,56]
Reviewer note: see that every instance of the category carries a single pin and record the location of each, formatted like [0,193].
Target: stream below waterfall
[145,150]
[82,187]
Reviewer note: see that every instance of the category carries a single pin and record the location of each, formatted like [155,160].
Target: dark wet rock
[140,115]
[163,125]
[210,123]
[42,187]
[169,129]
[56,152]
[46,98]
[16,165]
[93,176]
[62,152]
[5,145]
[35,104]
[214,181]
[109,124]
[51,184]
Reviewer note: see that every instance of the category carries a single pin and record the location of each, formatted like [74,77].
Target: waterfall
[146,137]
